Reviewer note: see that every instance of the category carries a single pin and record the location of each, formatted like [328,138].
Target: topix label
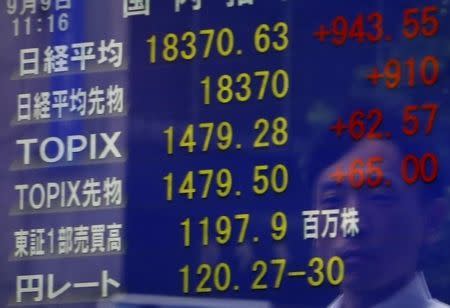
[54,149]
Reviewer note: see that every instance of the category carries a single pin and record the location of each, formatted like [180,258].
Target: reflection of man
[396,222]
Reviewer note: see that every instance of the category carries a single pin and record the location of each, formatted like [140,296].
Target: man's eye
[331,200]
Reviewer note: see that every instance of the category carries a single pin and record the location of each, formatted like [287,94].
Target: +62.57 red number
[366,125]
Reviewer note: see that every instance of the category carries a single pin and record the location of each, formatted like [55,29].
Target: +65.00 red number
[370,173]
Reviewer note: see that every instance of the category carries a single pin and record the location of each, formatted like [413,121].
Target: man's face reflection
[386,250]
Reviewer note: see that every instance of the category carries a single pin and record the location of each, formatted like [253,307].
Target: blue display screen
[224,153]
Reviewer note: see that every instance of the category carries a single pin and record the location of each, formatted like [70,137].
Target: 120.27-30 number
[209,278]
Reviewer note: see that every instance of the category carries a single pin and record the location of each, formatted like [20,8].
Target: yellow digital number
[186,45]
[317,264]
[220,274]
[281,264]
[208,174]
[263,41]
[280,84]
[188,141]
[225,42]
[206,82]
[279,136]
[187,186]
[261,181]
[209,127]
[205,231]
[204,270]
[261,267]
[335,265]
[223,134]
[209,33]
[245,218]
[244,80]
[225,92]
[190,39]
[278,180]
[282,29]
[170,51]
[169,133]
[222,277]
[224,227]
[186,224]
[223,181]
[185,282]
[152,46]
[264,126]
[240,87]
[264,82]
[223,230]
[334,273]
[169,186]
[279,226]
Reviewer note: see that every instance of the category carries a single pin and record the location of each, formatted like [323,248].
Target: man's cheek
[326,248]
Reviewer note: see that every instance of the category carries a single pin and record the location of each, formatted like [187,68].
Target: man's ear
[436,214]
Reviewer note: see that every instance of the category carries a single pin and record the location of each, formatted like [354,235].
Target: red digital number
[357,126]
[357,30]
[370,28]
[370,173]
[411,121]
[361,125]
[361,173]
[425,168]
[339,29]
[394,72]
[376,21]
[426,24]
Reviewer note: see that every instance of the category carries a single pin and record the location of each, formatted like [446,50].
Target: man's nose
[355,200]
